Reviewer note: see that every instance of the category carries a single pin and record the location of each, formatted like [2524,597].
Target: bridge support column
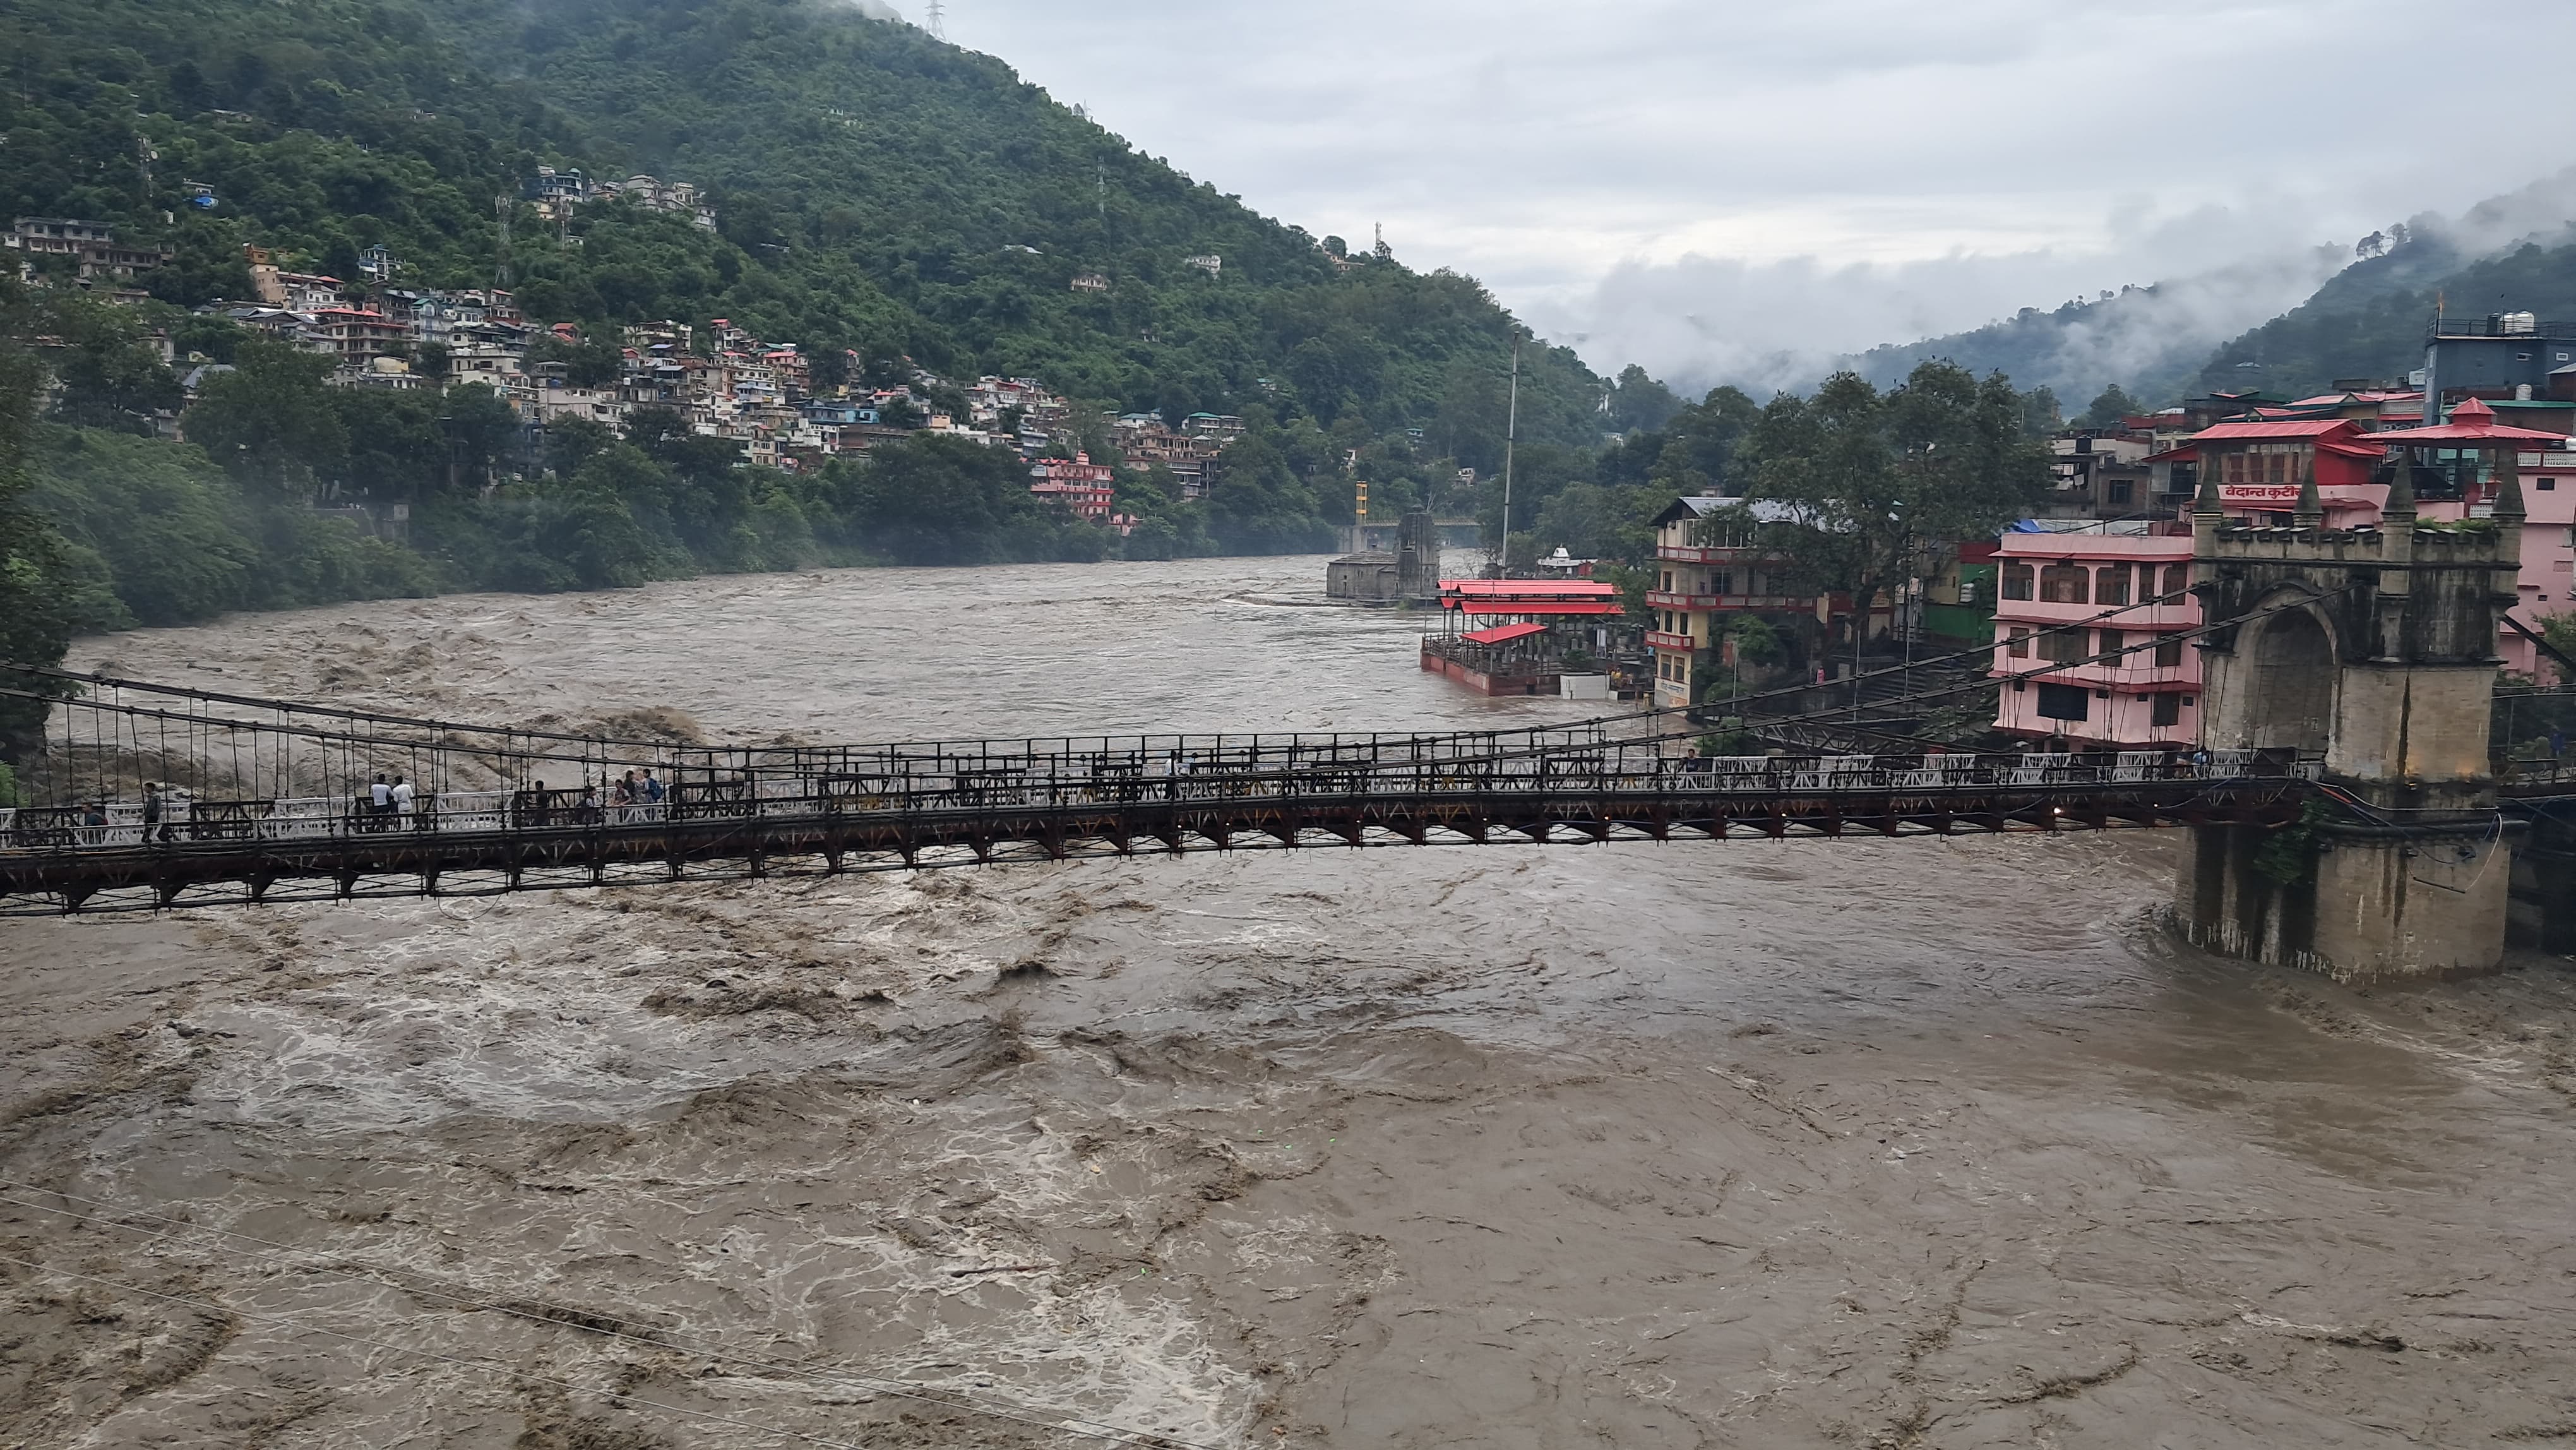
[2371,653]
[2363,906]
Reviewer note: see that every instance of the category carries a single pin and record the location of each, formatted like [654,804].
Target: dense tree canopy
[1868,485]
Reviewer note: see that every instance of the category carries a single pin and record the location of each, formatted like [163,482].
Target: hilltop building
[91,247]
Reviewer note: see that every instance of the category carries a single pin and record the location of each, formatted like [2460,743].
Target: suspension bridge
[148,796]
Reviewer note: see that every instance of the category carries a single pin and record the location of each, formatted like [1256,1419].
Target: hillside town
[2113,533]
[782,404]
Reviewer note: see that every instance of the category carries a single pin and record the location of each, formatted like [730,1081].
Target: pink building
[1081,485]
[2145,697]
[2095,686]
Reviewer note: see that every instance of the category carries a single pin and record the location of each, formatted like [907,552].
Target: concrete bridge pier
[2374,648]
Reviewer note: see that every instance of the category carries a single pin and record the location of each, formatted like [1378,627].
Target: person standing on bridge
[380,801]
[652,788]
[398,800]
[152,808]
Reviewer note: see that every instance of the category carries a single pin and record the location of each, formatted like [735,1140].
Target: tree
[1258,505]
[2109,408]
[1873,484]
[1595,522]
[2041,414]
[270,422]
[587,364]
[938,500]
[35,625]
[110,374]
[1700,443]
[1640,402]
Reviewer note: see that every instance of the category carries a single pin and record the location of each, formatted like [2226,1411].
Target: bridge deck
[93,857]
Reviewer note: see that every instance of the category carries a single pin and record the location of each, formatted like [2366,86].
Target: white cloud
[1692,184]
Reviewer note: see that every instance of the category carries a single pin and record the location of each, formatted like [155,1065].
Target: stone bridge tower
[2374,647]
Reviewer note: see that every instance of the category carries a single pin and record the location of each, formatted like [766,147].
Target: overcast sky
[1692,185]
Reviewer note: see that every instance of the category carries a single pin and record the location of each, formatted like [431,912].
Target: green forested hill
[2370,320]
[877,189]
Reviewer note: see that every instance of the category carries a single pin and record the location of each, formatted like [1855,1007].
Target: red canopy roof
[1503,633]
[1554,597]
[2275,428]
[2331,435]
[1525,588]
[2471,422]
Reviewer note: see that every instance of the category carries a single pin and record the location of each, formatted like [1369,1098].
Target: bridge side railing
[996,784]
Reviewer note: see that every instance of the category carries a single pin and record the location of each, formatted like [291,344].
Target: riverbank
[1816,1143]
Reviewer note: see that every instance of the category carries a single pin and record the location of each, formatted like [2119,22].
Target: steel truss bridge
[154,796]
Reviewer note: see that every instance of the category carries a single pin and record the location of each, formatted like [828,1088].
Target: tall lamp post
[1511,434]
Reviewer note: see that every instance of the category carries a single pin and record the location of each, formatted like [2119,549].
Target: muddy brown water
[1764,1144]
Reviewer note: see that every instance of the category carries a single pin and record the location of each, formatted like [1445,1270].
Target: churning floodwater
[1933,1142]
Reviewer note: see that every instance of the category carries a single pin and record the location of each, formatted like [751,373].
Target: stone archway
[2293,684]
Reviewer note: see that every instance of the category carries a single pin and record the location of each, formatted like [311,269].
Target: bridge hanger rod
[664,750]
[53,672]
[2035,671]
[1838,712]
[1140,739]
[675,754]
[661,749]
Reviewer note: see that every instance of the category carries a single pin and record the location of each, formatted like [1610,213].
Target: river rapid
[1933,1142]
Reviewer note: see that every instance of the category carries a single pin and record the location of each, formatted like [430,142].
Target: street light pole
[1511,434]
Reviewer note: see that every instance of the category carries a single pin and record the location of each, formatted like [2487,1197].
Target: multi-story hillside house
[1144,441]
[91,247]
[1082,486]
[356,336]
[1707,567]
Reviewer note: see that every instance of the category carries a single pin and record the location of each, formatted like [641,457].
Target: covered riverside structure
[1522,655]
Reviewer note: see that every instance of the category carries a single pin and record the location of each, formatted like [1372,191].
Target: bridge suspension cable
[439,726]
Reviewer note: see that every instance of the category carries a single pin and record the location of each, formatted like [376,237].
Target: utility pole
[1511,435]
[501,266]
[938,21]
[1100,183]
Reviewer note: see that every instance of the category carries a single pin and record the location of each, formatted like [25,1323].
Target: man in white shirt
[400,797]
[380,802]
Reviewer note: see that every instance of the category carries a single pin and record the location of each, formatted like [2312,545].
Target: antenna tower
[938,20]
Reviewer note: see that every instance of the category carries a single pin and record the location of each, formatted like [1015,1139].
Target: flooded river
[1848,1143]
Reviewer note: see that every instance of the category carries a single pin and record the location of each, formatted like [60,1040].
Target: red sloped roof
[2279,428]
[1503,632]
[1527,588]
[2471,422]
[2453,433]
